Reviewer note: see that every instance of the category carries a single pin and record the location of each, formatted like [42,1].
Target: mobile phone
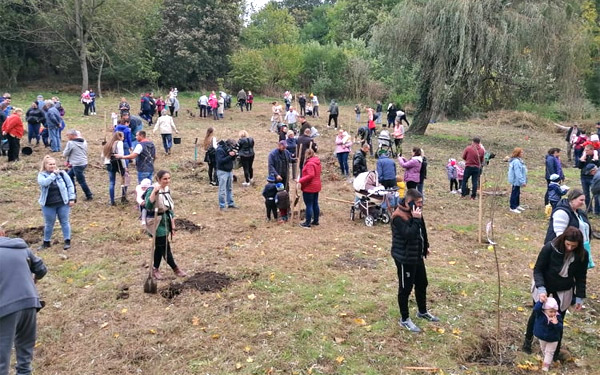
[412,205]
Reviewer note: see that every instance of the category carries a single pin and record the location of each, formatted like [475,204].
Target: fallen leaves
[452,262]
[360,322]
[528,366]
[104,325]
[195,321]
[340,359]
[251,297]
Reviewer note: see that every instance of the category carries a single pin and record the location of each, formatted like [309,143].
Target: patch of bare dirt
[205,282]
[29,235]
[185,224]
[348,260]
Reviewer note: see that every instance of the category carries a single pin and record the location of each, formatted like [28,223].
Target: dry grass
[319,301]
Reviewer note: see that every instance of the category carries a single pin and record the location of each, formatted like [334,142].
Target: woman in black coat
[560,271]
[35,118]
[246,153]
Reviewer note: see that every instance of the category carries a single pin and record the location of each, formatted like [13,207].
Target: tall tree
[271,25]
[464,47]
[196,37]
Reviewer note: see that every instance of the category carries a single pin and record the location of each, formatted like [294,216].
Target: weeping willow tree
[469,51]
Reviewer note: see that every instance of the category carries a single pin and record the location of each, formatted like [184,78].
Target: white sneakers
[517,210]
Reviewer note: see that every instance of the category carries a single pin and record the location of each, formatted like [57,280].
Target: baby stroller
[385,143]
[372,201]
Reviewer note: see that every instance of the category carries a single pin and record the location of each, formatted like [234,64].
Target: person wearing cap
[283,202]
[140,192]
[548,328]
[19,302]
[452,173]
[279,163]
[560,271]
[269,193]
[517,177]
[13,131]
[473,157]
[553,166]
[555,191]
[35,118]
[587,162]
[76,153]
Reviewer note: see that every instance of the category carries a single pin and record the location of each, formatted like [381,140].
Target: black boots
[527,345]
[44,245]
[67,245]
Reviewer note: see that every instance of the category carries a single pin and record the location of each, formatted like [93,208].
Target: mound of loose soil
[29,235]
[185,224]
[348,260]
[205,282]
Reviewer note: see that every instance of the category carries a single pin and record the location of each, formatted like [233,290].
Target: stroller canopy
[365,181]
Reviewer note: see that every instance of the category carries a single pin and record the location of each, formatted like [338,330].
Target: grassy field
[319,301]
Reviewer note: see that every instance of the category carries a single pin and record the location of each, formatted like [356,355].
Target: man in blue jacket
[19,302]
[386,170]
[53,124]
[225,156]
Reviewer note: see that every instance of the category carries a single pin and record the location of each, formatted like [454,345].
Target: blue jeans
[76,172]
[54,134]
[167,140]
[358,117]
[112,178]
[474,173]
[586,185]
[343,160]
[50,214]
[378,121]
[225,188]
[515,194]
[142,175]
[33,132]
[134,141]
[421,188]
[18,328]
[311,200]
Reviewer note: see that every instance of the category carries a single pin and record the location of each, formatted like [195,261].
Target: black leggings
[247,162]
[410,275]
[212,172]
[160,245]
[411,185]
[453,183]
[271,207]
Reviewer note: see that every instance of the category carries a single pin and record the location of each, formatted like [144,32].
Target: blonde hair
[309,154]
[45,161]
[290,132]
[243,134]
[18,110]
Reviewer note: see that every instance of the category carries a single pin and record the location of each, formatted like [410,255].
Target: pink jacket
[340,146]
[412,168]
[212,101]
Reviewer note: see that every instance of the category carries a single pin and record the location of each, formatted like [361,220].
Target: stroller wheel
[369,220]
[352,212]
[385,218]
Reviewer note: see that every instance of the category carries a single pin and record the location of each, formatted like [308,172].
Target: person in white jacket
[166,126]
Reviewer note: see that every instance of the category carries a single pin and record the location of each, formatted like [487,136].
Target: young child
[401,186]
[283,202]
[547,328]
[141,198]
[270,192]
[452,172]
[555,191]
[460,172]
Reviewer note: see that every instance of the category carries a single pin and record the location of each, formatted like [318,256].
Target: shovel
[196,150]
[150,283]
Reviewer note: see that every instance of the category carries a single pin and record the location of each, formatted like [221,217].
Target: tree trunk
[99,89]
[424,110]
[81,42]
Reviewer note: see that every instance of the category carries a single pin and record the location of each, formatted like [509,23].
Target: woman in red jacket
[310,183]
[12,130]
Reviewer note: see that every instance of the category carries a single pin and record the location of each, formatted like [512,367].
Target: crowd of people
[293,164]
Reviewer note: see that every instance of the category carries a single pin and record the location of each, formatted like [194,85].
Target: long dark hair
[208,138]
[571,234]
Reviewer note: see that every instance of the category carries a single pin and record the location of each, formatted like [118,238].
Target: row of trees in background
[439,57]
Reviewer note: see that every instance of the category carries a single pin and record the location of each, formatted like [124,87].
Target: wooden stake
[339,200]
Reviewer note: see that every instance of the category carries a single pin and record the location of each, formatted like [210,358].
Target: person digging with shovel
[159,196]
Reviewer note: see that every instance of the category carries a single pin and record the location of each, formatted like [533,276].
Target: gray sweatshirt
[17,289]
[76,152]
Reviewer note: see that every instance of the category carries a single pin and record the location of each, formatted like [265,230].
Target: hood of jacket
[419,158]
[13,243]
